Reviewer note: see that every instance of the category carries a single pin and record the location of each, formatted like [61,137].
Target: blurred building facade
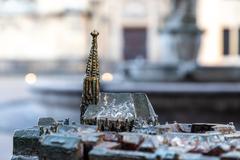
[43,29]
[220,21]
[53,30]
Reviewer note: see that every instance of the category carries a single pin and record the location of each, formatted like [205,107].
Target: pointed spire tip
[94,33]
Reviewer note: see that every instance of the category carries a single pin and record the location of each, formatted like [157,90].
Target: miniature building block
[234,155]
[110,154]
[46,121]
[26,141]
[20,157]
[60,147]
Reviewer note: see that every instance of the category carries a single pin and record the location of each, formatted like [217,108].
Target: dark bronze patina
[91,82]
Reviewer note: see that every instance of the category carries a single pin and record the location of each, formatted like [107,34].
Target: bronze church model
[122,126]
[111,111]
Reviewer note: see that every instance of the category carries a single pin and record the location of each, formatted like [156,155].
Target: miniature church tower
[91,82]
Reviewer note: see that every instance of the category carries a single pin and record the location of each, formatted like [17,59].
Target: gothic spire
[92,69]
[91,83]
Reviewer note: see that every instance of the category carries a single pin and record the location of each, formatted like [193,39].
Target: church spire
[92,69]
[91,89]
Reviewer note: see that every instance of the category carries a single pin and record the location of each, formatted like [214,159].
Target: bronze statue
[91,82]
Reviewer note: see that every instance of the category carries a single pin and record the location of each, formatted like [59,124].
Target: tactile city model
[122,126]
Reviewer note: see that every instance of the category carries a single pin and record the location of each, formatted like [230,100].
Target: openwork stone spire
[92,69]
[91,82]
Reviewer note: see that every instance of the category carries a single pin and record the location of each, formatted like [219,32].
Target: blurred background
[185,54]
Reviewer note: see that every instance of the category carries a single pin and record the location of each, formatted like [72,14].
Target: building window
[226,42]
[135,43]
